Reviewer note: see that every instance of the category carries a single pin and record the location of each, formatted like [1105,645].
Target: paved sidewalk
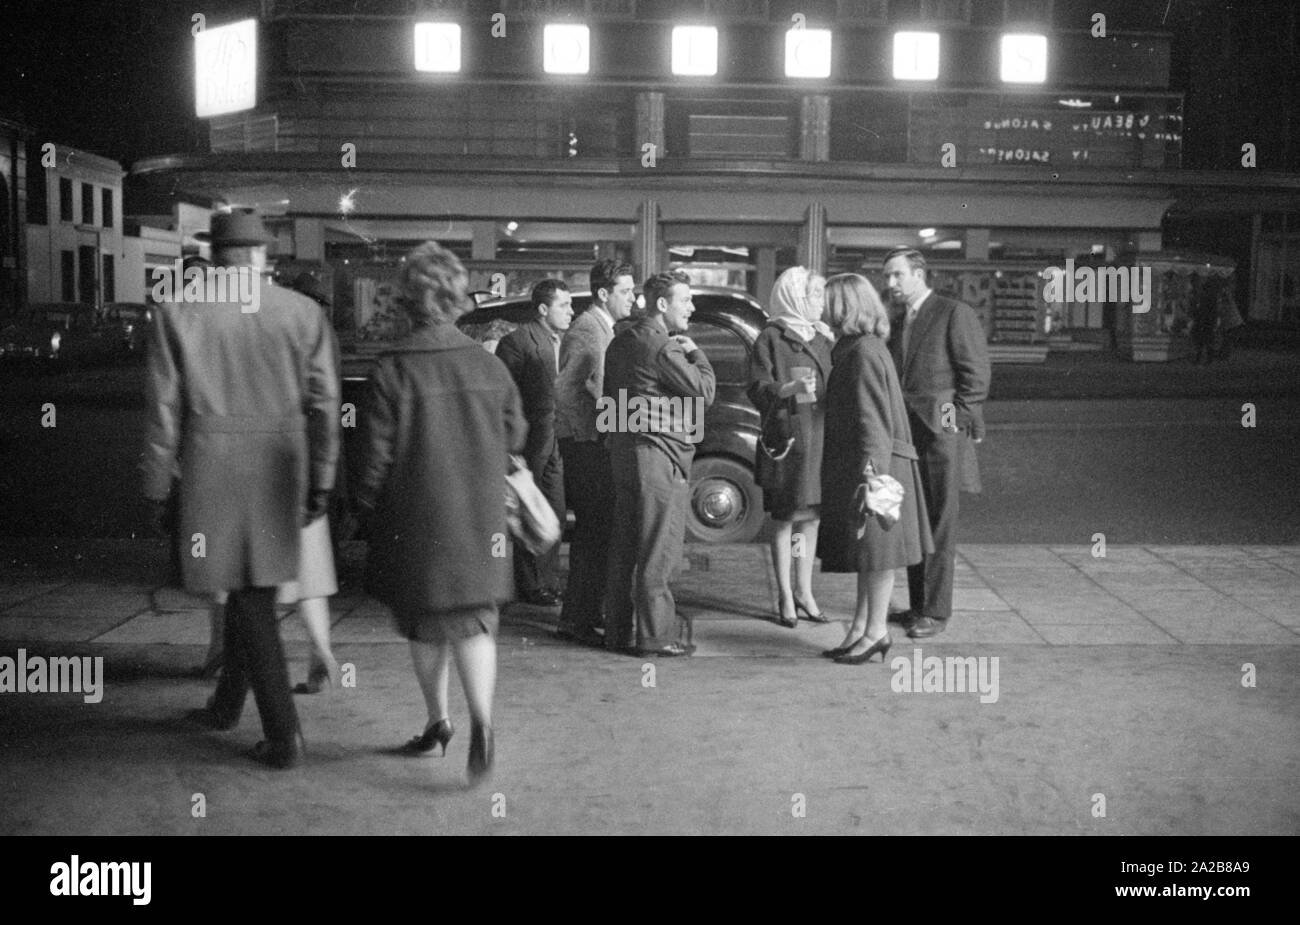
[1021,595]
[1120,680]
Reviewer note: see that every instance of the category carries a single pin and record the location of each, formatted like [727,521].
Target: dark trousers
[929,583]
[645,549]
[254,657]
[534,574]
[589,490]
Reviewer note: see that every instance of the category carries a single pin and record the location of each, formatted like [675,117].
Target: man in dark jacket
[942,359]
[244,393]
[532,354]
[657,385]
[589,485]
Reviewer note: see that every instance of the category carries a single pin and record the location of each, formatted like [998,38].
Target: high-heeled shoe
[480,754]
[789,623]
[881,645]
[801,608]
[439,733]
[841,650]
[320,676]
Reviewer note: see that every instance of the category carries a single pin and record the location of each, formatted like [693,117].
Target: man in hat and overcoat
[245,394]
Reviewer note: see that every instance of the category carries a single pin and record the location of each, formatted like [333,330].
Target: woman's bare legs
[476,660]
[807,530]
[781,556]
[869,618]
[432,669]
[315,614]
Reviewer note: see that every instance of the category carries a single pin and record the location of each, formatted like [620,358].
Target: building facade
[997,163]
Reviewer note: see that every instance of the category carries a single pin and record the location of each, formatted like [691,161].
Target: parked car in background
[64,333]
[725,503]
[134,319]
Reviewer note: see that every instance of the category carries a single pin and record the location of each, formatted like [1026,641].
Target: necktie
[907,327]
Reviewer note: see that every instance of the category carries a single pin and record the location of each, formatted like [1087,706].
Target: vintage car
[726,505]
[64,333]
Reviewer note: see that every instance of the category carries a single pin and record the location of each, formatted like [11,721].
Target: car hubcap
[719,504]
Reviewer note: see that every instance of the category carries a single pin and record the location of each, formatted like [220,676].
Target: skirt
[441,627]
[316,577]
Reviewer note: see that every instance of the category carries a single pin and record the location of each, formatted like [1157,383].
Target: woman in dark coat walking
[866,421]
[444,416]
[791,360]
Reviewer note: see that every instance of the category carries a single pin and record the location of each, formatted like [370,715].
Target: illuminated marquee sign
[695,51]
[808,53]
[437,47]
[566,49]
[225,69]
[916,55]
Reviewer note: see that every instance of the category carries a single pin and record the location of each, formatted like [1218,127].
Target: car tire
[726,504]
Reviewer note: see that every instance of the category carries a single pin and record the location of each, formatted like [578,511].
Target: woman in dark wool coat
[444,415]
[791,360]
[866,420]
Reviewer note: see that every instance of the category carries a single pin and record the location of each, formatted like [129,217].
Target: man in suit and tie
[942,359]
[532,354]
[589,484]
[244,395]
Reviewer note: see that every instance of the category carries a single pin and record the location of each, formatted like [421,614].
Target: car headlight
[55,340]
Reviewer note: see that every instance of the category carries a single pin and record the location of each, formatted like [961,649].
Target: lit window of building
[1024,59]
[808,53]
[566,49]
[916,55]
[695,51]
[437,47]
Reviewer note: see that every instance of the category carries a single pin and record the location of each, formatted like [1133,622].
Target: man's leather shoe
[584,636]
[672,650]
[925,627]
[545,598]
[281,755]
[209,718]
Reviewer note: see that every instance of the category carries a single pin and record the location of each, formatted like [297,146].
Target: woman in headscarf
[791,361]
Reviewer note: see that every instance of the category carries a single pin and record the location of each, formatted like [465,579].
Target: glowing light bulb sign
[808,53]
[437,47]
[1024,59]
[695,51]
[566,49]
[225,69]
[916,55]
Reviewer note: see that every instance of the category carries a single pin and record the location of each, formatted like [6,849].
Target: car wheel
[726,505]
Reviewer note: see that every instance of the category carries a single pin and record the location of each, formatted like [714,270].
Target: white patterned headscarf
[791,307]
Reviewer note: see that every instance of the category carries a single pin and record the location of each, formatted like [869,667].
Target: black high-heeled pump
[881,645]
[819,617]
[481,754]
[841,650]
[439,733]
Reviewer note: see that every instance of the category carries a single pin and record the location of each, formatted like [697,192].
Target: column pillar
[309,239]
[977,244]
[649,125]
[647,240]
[766,274]
[812,239]
[815,128]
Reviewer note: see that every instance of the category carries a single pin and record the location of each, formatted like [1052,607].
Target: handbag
[529,515]
[880,496]
[776,436]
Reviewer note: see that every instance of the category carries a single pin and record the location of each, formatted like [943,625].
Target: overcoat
[247,405]
[794,482]
[867,420]
[442,418]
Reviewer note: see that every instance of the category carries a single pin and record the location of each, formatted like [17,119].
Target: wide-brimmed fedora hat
[238,228]
[309,286]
